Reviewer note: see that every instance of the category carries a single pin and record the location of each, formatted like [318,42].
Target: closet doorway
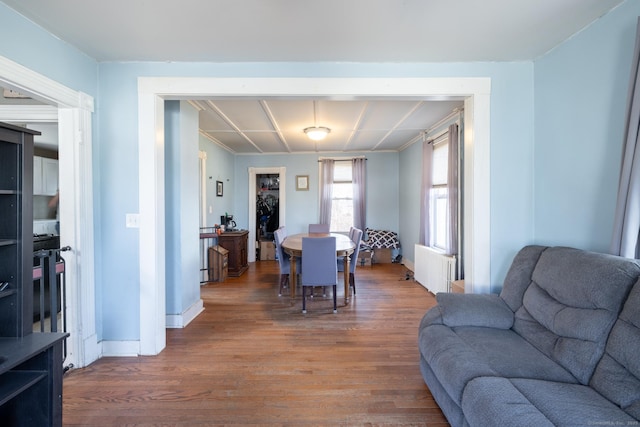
[267,206]
[267,189]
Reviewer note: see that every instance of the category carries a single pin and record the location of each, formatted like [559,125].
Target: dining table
[292,246]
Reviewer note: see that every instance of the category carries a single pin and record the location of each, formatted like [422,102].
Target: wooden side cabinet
[218,264]
[236,242]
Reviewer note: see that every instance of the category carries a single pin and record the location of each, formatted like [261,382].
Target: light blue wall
[302,206]
[36,49]
[220,167]
[182,207]
[581,93]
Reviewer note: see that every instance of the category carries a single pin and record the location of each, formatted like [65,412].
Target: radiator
[434,270]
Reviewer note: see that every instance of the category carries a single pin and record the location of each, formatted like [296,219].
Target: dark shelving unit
[30,363]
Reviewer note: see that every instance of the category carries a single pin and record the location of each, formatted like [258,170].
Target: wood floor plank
[252,358]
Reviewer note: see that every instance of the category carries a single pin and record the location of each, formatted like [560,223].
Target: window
[342,200]
[439,194]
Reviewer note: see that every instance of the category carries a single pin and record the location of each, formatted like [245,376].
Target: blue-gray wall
[220,167]
[302,206]
[182,216]
[556,135]
[581,93]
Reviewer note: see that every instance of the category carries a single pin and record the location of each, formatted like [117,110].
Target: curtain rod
[456,111]
[340,158]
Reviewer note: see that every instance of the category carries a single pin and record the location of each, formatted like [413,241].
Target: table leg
[346,279]
[293,275]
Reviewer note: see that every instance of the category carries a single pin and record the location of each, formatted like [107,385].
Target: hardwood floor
[252,358]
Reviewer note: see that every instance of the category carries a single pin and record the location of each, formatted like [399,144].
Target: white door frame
[72,110]
[253,173]
[152,91]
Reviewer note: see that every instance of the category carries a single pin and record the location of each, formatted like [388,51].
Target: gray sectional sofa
[560,345]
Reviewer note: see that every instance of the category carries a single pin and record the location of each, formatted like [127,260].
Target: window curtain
[452,191]
[427,155]
[326,190]
[359,177]
[626,227]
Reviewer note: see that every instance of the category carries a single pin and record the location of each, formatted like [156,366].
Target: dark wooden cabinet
[30,363]
[236,242]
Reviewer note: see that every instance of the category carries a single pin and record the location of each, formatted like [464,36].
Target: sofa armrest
[486,310]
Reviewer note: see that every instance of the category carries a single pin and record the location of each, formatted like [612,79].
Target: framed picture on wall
[219,188]
[302,182]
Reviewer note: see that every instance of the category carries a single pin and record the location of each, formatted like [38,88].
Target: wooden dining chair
[319,228]
[319,266]
[356,237]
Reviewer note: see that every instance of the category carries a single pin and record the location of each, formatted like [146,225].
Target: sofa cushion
[572,303]
[519,275]
[617,375]
[494,401]
[458,355]
[527,402]
[488,310]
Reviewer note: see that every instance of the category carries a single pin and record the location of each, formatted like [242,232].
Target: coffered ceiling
[277,126]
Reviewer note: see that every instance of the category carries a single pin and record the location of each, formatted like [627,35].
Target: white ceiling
[306,30]
[277,126]
[381,31]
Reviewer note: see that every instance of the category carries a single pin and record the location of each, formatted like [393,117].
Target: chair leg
[352,282]
[284,279]
[304,300]
[335,299]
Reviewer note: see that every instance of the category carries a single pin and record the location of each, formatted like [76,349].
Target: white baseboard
[183,319]
[92,351]
[120,348]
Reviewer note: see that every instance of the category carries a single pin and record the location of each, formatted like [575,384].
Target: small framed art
[219,188]
[302,182]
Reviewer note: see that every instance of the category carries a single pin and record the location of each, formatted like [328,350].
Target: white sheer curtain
[626,227]
[326,190]
[452,191]
[359,178]
[427,155]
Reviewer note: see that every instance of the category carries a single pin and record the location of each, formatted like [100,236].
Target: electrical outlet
[133,220]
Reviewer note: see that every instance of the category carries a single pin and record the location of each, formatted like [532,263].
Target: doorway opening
[476,92]
[267,214]
[72,111]
[276,178]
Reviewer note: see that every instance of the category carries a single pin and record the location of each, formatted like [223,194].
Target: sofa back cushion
[572,303]
[617,376]
[519,275]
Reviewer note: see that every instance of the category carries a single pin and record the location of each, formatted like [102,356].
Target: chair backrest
[357,237]
[319,261]
[318,228]
[283,259]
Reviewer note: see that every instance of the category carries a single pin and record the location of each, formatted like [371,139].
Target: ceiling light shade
[317,133]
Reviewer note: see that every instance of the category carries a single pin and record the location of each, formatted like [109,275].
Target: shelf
[7,293]
[15,382]
[8,192]
[8,242]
